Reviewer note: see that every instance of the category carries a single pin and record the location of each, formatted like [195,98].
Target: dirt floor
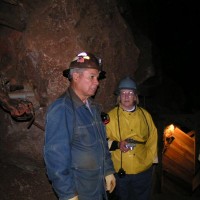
[27,184]
[21,184]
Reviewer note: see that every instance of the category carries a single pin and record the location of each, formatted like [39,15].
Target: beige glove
[74,198]
[110,183]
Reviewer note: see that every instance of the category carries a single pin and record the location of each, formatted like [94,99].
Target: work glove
[74,198]
[110,183]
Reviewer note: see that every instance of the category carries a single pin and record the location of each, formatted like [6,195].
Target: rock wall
[55,31]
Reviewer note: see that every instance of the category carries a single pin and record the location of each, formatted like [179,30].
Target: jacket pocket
[87,135]
[88,182]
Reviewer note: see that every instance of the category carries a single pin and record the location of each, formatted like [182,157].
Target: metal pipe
[20,95]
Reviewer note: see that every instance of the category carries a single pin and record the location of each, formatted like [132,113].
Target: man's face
[86,83]
[127,98]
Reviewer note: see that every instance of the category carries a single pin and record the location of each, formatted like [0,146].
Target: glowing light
[169,130]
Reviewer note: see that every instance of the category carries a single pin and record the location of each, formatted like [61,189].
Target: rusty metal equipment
[180,156]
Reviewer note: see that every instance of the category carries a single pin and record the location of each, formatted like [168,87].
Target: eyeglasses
[129,94]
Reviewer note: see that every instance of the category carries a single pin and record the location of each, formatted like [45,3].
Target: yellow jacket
[139,126]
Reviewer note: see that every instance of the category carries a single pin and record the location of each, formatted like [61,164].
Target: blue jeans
[134,186]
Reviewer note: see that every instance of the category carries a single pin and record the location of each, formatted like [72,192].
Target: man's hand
[110,183]
[74,198]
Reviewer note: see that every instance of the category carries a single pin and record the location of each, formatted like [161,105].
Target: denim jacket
[76,151]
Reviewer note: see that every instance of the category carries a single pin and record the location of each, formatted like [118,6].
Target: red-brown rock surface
[55,31]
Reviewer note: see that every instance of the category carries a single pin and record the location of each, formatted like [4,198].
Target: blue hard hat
[126,83]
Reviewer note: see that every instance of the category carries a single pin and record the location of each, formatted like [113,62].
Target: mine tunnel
[151,41]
